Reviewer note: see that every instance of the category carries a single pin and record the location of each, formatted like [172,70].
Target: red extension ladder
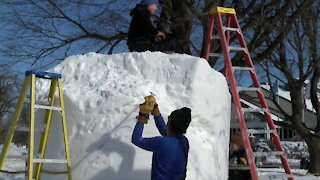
[221,34]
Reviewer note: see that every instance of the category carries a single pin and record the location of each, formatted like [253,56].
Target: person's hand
[143,117]
[155,111]
[159,36]
[146,108]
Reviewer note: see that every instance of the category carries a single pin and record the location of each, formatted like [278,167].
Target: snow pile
[102,94]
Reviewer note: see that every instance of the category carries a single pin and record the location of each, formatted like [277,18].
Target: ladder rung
[251,110]
[23,129]
[261,131]
[54,108]
[248,89]
[232,48]
[271,153]
[47,103]
[215,37]
[215,54]
[26,129]
[231,29]
[242,68]
[275,176]
[16,158]
[50,161]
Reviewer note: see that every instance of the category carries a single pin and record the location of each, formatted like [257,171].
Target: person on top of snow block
[170,151]
[238,158]
[143,35]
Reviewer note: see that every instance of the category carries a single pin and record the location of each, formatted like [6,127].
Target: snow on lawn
[14,163]
[102,93]
[294,151]
[22,151]
[307,177]
[299,174]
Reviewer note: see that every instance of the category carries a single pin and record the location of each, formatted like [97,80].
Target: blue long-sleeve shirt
[169,157]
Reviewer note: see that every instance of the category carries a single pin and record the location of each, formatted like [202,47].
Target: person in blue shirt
[170,150]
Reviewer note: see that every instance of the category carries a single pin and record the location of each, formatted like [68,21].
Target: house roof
[286,95]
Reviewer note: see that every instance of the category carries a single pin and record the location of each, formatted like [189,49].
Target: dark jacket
[169,152]
[141,29]
[239,158]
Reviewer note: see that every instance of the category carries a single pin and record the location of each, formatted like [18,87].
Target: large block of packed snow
[102,94]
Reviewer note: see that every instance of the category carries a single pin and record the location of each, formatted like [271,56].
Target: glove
[143,118]
[159,36]
[148,105]
[155,111]
[146,108]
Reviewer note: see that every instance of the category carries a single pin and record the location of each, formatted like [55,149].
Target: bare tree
[7,93]
[51,30]
[298,59]
[8,89]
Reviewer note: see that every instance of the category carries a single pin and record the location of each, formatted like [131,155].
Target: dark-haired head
[179,120]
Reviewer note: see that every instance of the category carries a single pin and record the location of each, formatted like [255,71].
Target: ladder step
[248,89]
[50,161]
[271,153]
[232,48]
[16,158]
[215,54]
[253,110]
[275,176]
[215,37]
[242,68]
[54,108]
[26,128]
[231,29]
[39,102]
[22,129]
[260,131]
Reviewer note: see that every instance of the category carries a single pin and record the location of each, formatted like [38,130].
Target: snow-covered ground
[14,163]
[294,151]
[22,151]
[307,177]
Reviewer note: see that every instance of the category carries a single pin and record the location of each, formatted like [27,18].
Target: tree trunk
[314,150]
[312,140]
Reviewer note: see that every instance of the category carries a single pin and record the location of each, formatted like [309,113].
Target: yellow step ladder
[30,80]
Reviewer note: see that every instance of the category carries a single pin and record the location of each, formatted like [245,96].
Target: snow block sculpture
[102,94]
